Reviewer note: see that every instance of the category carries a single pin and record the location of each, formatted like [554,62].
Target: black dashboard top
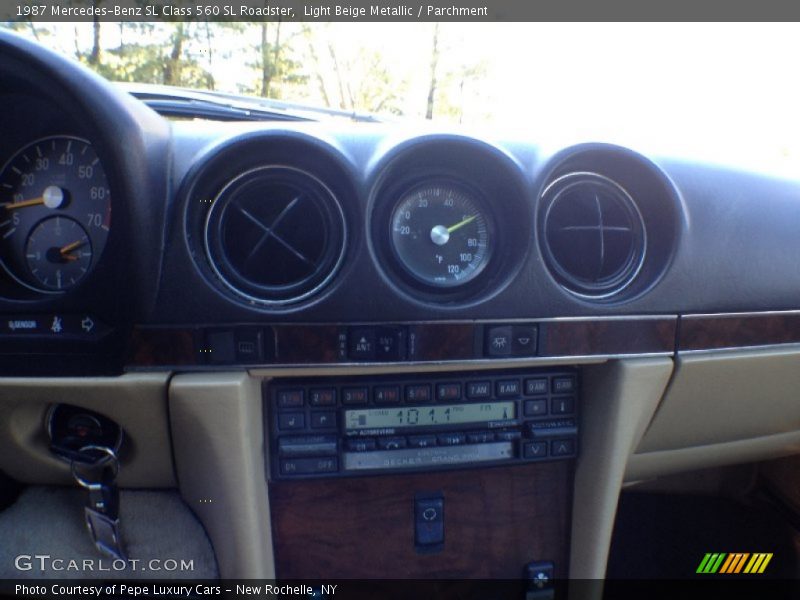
[330,222]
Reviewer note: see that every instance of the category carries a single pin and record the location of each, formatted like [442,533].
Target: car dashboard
[323,333]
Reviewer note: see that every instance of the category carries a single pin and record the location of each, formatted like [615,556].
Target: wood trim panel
[713,332]
[426,342]
[607,336]
[496,521]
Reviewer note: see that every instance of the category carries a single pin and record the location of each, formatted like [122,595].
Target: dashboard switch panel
[399,423]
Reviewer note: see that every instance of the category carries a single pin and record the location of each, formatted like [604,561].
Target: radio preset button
[508,388]
[563,385]
[562,448]
[391,443]
[536,387]
[309,466]
[535,408]
[290,398]
[291,421]
[451,439]
[534,450]
[361,445]
[421,441]
[418,393]
[322,397]
[562,406]
[479,389]
[387,394]
[448,391]
[323,419]
[355,395]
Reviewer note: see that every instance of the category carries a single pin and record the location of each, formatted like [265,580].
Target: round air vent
[593,234]
[275,235]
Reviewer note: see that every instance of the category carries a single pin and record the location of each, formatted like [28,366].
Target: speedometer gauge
[440,234]
[55,213]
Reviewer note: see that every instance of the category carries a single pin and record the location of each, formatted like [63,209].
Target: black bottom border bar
[701,587]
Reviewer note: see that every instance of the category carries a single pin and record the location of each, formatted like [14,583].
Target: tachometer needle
[65,251]
[460,224]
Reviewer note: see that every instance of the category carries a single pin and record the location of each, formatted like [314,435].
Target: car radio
[368,425]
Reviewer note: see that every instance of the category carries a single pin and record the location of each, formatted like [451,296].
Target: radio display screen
[422,416]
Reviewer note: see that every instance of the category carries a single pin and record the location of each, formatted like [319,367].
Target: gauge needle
[23,203]
[65,251]
[460,224]
[52,197]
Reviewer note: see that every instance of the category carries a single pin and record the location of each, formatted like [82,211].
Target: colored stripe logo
[734,563]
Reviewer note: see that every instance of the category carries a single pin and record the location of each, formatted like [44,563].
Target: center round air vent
[275,235]
[594,237]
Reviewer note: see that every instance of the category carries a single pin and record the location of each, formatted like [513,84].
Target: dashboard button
[391,443]
[307,445]
[309,466]
[362,343]
[498,341]
[418,393]
[480,437]
[563,385]
[387,394]
[562,406]
[421,441]
[534,450]
[291,421]
[535,408]
[290,398]
[507,436]
[322,397]
[523,340]
[355,395]
[536,387]
[562,448]
[390,344]
[479,389]
[249,346]
[220,346]
[323,419]
[451,439]
[361,445]
[508,388]
[448,391]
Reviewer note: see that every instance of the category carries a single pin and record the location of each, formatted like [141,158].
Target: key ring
[110,458]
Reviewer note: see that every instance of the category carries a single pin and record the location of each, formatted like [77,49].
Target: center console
[446,475]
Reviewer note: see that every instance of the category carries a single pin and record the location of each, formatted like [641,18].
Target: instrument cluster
[55,213]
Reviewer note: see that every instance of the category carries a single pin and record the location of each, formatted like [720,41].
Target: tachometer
[55,213]
[440,234]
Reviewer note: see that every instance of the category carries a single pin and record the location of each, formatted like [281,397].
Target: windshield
[730,88]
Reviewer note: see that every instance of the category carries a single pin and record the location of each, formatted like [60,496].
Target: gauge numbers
[440,234]
[55,213]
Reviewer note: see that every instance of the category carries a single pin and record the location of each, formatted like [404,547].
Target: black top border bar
[396,10]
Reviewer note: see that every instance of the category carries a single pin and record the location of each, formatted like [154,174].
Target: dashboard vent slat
[275,235]
[593,235]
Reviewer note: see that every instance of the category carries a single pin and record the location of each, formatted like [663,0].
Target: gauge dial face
[54,194]
[58,253]
[440,234]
